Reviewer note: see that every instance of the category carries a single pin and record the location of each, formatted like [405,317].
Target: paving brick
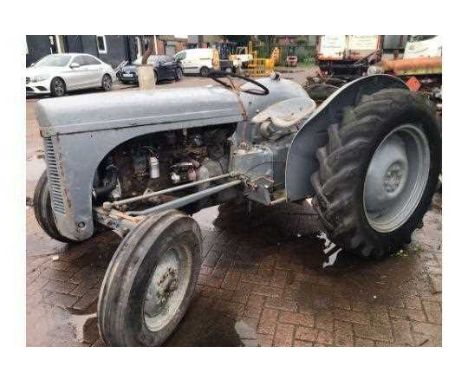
[402,332]
[87,300]
[265,339]
[266,290]
[281,304]
[218,293]
[324,338]
[232,309]
[377,333]
[344,335]
[61,300]
[59,286]
[351,316]
[57,275]
[60,265]
[284,335]
[279,278]
[361,342]
[324,320]
[81,289]
[306,334]
[267,324]
[231,280]
[413,302]
[303,343]
[436,282]
[295,318]
[208,280]
[431,330]
[262,277]
[433,311]
[342,303]
[212,258]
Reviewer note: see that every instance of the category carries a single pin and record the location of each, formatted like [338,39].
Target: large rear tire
[43,210]
[150,281]
[378,172]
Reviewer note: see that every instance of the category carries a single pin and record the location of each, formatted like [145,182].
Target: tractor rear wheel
[150,281]
[378,172]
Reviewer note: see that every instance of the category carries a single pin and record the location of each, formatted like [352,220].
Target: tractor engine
[162,160]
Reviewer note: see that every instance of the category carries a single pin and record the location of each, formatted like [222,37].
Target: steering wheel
[217,75]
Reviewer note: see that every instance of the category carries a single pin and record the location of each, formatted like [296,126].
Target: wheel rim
[396,178]
[167,288]
[58,87]
[107,82]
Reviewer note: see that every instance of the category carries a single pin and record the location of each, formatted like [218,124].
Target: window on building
[101,44]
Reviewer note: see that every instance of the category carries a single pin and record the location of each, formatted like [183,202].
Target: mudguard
[301,161]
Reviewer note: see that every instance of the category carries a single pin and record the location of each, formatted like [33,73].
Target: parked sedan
[165,68]
[57,74]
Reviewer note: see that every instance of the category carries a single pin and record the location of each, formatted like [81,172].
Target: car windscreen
[53,60]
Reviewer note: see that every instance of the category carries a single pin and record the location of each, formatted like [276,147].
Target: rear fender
[301,161]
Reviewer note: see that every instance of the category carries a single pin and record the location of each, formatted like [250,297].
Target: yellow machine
[255,66]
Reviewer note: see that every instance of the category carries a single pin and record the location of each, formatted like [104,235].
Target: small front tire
[150,281]
[43,210]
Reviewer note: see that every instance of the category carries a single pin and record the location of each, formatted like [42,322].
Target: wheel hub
[396,178]
[165,290]
[393,178]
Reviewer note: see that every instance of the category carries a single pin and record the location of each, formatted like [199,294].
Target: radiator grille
[53,177]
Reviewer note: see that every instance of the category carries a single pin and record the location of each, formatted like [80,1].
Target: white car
[56,74]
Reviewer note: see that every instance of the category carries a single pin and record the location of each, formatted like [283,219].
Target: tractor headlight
[40,77]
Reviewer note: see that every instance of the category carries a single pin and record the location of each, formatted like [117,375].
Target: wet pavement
[262,281]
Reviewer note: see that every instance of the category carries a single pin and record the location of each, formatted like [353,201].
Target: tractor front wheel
[150,281]
[43,210]
[378,172]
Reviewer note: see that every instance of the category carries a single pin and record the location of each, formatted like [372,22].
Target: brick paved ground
[261,284]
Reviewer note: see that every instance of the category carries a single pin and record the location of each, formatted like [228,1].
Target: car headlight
[40,77]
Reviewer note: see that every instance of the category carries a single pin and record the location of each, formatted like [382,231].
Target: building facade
[112,49]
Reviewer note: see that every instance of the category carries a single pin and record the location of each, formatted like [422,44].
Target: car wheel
[106,83]
[58,87]
[178,74]
[204,71]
